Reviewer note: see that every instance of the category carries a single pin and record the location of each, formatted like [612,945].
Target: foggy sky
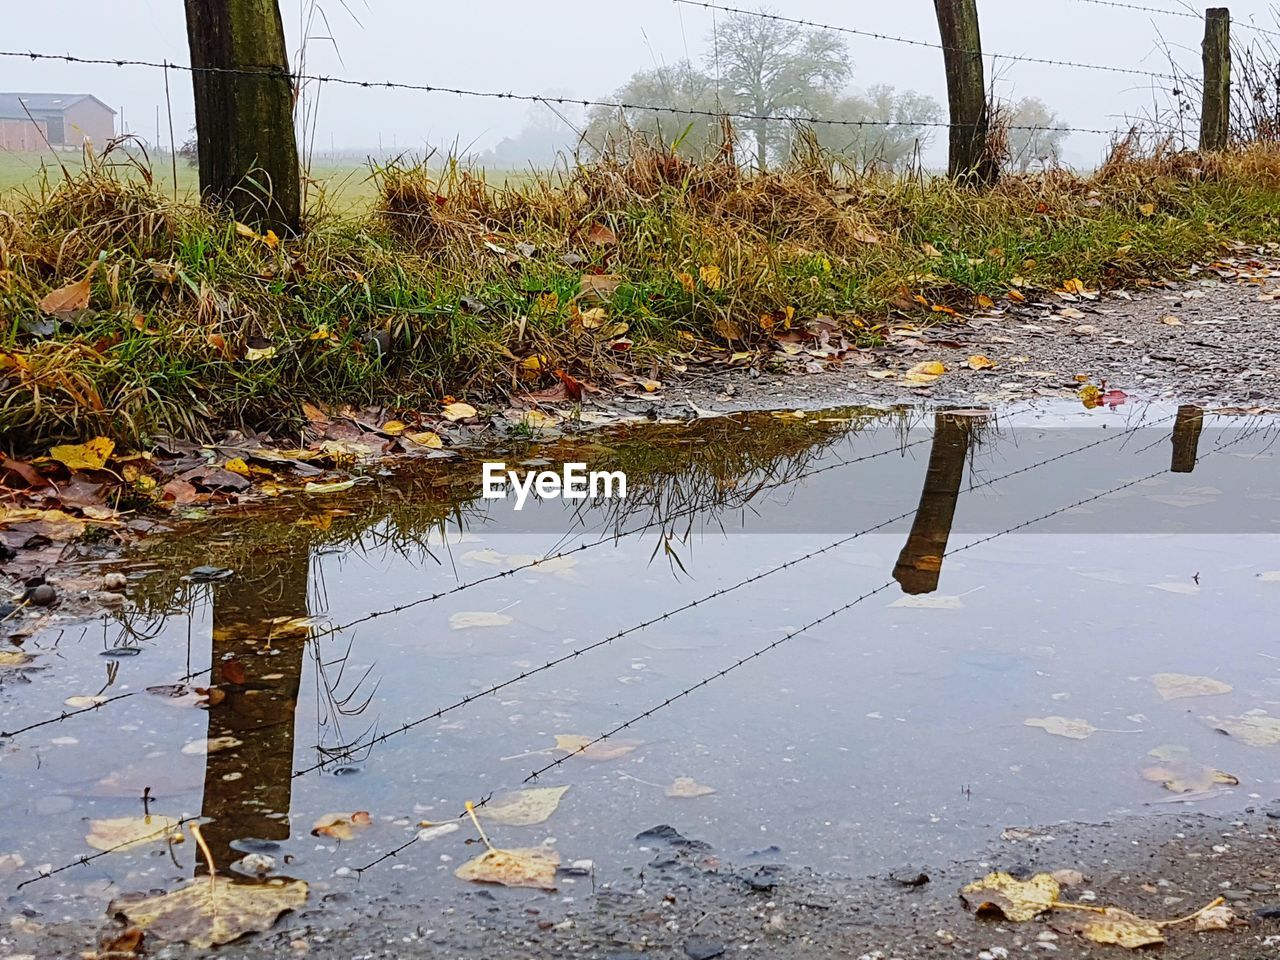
[587,49]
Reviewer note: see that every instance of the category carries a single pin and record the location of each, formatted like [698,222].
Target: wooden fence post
[966,91]
[1186,438]
[1215,113]
[248,153]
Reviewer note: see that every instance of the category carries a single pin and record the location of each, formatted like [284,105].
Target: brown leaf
[208,911]
[598,288]
[601,236]
[1111,925]
[521,867]
[29,474]
[342,826]
[70,298]
[578,745]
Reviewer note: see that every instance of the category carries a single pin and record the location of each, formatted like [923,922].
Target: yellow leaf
[985,302]
[711,276]
[238,465]
[581,746]
[1071,728]
[207,911]
[260,353]
[1090,396]
[1182,776]
[1016,296]
[1015,900]
[246,231]
[686,281]
[980,362]
[125,833]
[270,239]
[1111,925]
[521,867]
[1175,686]
[426,439]
[342,826]
[524,808]
[687,788]
[466,619]
[926,372]
[930,250]
[593,318]
[1147,209]
[336,486]
[393,428]
[92,455]
[458,411]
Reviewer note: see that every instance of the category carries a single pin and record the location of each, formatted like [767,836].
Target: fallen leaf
[1112,925]
[342,826]
[1015,900]
[458,411]
[688,788]
[432,831]
[208,911]
[125,833]
[427,439]
[478,618]
[980,362]
[1175,686]
[925,372]
[523,808]
[598,288]
[581,746]
[1147,209]
[393,428]
[238,465]
[92,455]
[1072,729]
[1186,777]
[1255,729]
[1171,321]
[601,235]
[337,486]
[711,277]
[253,354]
[1221,917]
[72,297]
[199,748]
[520,867]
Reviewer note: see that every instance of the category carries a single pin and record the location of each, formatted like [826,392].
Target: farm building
[27,120]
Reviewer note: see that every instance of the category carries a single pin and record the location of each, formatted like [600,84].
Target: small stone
[1235,896]
[114,581]
[579,868]
[42,595]
[702,948]
[111,600]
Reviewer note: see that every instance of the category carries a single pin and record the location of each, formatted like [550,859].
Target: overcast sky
[587,49]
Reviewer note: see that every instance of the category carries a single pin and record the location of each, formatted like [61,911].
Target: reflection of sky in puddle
[892,733]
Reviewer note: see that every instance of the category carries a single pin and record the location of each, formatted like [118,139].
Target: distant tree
[681,86]
[546,133]
[770,68]
[1043,145]
[898,124]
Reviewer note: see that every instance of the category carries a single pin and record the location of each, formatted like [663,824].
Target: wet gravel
[681,901]
[1223,349]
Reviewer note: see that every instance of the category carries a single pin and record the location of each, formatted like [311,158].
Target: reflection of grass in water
[709,465]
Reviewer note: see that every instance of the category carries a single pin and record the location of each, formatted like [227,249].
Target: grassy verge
[452,285]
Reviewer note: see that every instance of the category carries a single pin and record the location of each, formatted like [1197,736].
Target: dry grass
[455,285]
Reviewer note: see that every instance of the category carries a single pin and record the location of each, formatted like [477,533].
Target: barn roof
[11,104]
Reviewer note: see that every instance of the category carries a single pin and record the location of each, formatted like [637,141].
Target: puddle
[988,571]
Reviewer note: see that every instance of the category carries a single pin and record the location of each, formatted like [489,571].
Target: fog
[588,49]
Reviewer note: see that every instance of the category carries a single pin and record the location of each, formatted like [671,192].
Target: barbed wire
[81,861]
[1045,61]
[606,641]
[519,97]
[845,607]
[1176,13]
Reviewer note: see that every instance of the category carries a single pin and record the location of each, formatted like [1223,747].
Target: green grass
[476,287]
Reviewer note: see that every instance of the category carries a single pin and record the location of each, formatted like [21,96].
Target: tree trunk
[248,786]
[762,145]
[248,153]
[1215,113]
[966,91]
[919,564]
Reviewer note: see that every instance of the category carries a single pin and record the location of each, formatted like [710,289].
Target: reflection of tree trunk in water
[245,785]
[920,562]
[1186,438]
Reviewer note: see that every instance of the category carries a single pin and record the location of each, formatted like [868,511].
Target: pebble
[114,581]
[702,948]
[42,595]
[1235,896]
[112,600]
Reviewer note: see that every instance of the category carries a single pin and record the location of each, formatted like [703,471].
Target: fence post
[1215,114]
[966,91]
[1186,438]
[248,153]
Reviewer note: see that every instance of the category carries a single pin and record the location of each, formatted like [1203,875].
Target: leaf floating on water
[1255,729]
[209,911]
[1175,686]
[523,808]
[82,703]
[1016,900]
[1112,925]
[125,833]
[1181,776]
[936,601]
[433,831]
[687,788]
[1071,728]
[581,746]
[478,618]
[1187,589]
[90,455]
[520,867]
[342,826]
[198,748]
